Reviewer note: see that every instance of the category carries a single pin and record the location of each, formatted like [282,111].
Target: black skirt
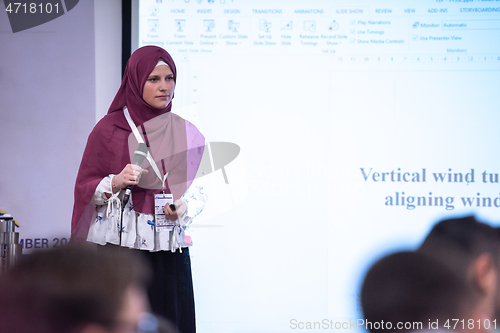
[171,289]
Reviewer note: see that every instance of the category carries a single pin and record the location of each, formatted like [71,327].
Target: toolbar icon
[310,26]
[153,25]
[209,24]
[153,11]
[233,26]
[286,25]
[180,24]
[264,25]
[334,26]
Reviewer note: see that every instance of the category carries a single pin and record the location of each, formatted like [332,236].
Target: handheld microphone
[139,155]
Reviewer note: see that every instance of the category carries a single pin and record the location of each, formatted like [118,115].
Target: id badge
[160,201]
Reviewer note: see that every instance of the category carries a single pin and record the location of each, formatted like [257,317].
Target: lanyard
[141,140]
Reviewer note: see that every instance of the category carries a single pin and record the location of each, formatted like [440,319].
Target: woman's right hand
[130,175]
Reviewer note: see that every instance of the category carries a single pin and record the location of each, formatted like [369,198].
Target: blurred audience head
[76,289]
[472,250]
[411,288]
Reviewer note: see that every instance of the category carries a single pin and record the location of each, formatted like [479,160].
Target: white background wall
[56,81]
[47,110]
[108,53]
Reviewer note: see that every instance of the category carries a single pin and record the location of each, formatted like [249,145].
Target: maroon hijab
[175,144]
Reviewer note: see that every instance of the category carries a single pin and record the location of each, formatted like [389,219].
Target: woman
[140,112]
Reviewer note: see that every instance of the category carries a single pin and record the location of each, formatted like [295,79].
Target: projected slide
[412,150]
[360,124]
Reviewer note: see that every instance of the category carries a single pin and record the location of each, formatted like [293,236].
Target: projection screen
[360,124]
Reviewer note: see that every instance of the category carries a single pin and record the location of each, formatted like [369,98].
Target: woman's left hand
[174,215]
